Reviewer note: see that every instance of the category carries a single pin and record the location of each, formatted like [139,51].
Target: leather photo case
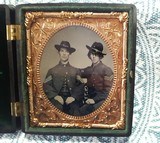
[68,68]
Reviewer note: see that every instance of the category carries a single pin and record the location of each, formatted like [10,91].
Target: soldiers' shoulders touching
[86,70]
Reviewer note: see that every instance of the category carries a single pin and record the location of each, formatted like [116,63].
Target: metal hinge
[13,32]
[16,109]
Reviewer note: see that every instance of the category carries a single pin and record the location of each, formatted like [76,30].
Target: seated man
[61,81]
[99,80]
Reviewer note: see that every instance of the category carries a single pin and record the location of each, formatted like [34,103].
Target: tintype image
[76,70]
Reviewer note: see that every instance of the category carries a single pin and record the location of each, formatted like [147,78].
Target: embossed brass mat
[112,29]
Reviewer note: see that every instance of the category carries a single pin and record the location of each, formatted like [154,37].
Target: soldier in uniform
[61,80]
[99,80]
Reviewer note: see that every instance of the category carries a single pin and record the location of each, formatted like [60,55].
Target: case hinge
[16,109]
[13,32]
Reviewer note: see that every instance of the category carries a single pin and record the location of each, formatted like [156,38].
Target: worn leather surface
[146,117]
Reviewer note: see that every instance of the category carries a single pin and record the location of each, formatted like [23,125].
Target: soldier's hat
[66,45]
[96,48]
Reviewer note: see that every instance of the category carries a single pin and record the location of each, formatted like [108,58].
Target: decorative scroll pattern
[40,28]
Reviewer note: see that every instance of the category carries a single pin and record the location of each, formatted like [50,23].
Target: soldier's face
[94,58]
[64,55]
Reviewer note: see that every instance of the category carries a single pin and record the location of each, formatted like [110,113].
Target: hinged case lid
[7,71]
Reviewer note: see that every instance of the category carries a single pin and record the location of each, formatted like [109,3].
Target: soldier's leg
[86,109]
[57,104]
[97,105]
[74,109]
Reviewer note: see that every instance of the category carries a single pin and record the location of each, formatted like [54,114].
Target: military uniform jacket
[56,77]
[99,77]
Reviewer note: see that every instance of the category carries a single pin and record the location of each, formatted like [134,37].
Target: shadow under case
[26,30]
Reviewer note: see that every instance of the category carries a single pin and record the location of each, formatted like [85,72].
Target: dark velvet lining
[6,75]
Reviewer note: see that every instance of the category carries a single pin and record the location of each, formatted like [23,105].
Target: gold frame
[112,28]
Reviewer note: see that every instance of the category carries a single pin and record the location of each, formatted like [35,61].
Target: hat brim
[90,48]
[70,49]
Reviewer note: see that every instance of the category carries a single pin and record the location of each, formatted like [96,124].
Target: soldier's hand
[90,101]
[79,78]
[59,99]
[69,100]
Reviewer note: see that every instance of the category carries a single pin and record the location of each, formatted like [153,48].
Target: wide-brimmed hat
[66,45]
[96,48]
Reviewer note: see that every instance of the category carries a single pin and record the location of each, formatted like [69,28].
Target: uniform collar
[64,65]
[97,64]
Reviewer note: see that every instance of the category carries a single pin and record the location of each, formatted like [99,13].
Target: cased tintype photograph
[77,69]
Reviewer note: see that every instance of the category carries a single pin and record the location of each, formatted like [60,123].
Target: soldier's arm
[79,79]
[49,88]
[84,72]
[77,91]
[108,79]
